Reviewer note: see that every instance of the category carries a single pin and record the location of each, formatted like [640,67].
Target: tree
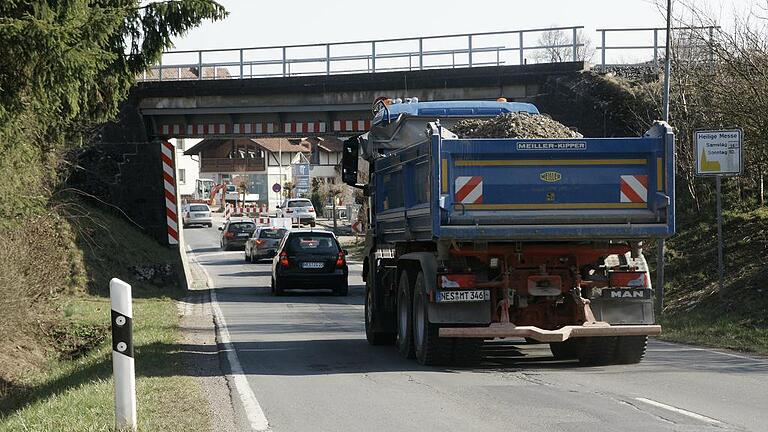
[558,47]
[65,66]
[723,83]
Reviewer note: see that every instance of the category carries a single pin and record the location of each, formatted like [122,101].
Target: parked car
[235,232]
[300,210]
[196,214]
[263,243]
[310,259]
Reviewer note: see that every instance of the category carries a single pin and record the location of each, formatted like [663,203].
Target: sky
[254,23]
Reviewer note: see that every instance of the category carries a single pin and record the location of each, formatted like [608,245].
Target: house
[264,165]
[187,167]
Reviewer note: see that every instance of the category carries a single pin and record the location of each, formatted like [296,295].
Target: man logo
[627,294]
[550,176]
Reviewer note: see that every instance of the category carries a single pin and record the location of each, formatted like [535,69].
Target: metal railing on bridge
[371,56]
[628,46]
[631,46]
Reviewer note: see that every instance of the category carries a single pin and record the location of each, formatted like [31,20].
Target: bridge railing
[624,46]
[419,53]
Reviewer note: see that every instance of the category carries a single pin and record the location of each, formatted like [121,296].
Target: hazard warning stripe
[469,190]
[169,184]
[634,188]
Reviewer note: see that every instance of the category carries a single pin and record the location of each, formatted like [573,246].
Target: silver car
[196,214]
[263,243]
[300,210]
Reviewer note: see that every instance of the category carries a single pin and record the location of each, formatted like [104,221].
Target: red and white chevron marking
[259,128]
[169,183]
[469,189]
[634,189]
[351,125]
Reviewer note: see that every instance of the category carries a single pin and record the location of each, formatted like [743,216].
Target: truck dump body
[534,189]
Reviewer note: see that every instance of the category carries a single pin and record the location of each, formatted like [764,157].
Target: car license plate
[312,265]
[463,296]
[243,235]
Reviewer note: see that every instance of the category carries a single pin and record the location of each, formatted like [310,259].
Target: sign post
[718,153]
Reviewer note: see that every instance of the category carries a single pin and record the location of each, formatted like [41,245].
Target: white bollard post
[122,355]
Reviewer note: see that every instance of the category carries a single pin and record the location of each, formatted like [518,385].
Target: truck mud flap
[498,330]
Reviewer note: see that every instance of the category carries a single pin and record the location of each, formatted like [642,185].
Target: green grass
[65,383]
[77,395]
[696,311]
[726,331]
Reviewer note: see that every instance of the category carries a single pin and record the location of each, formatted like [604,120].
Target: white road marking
[679,411]
[692,348]
[254,413]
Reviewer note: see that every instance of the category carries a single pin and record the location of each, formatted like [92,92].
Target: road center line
[255,415]
[679,411]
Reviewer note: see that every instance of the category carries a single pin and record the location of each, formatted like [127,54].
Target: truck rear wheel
[404,318]
[630,349]
[566,350]
[430,348]
[597,351]
[374,320]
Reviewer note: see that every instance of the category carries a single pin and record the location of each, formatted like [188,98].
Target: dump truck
[475,239]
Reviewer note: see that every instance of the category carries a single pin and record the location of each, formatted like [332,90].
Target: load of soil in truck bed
[514,125]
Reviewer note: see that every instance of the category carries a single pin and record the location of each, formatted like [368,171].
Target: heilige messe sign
[718,152]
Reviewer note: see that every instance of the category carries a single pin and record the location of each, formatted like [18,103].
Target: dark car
[263,243]
[235,233]
[310,259]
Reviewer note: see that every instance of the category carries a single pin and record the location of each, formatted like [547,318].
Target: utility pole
[660,243]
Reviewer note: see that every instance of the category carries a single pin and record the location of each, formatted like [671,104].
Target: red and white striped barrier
[633,189]
[469,189]
[169,183]
[259,128]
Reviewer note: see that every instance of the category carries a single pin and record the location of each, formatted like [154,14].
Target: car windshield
[272,233]
[242,227]
[299,204]
[312,243]
[198,208]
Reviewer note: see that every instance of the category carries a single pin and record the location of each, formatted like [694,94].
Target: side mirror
[221,228]
[349,160]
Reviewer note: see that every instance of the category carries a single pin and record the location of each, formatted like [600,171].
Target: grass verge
[77,394]
[696,311]
[70,387]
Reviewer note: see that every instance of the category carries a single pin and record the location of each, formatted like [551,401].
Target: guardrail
[418,53]
[371,56]
[658,48]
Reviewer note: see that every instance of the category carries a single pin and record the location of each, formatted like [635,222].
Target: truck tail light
[311,210]
[284,259]
[340,260]
[456,281]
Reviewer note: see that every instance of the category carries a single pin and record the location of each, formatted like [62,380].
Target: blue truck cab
[470,239]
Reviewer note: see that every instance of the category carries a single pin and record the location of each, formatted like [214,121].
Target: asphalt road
[306,360]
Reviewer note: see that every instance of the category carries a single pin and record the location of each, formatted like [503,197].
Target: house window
[182,176]
[180,144]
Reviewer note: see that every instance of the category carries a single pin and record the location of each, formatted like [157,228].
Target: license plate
[312,265]
[243,235]
[463,296]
